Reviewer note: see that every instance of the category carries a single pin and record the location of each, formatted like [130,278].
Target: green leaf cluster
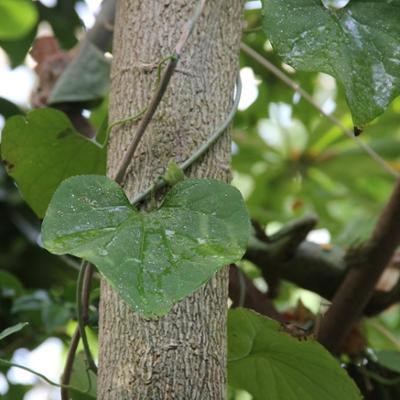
[288,160]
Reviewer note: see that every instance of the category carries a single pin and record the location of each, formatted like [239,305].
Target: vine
[145,116]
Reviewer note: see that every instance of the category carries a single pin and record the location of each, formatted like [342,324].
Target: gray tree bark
[181,355]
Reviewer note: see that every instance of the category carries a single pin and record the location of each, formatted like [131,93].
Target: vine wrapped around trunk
[182,355]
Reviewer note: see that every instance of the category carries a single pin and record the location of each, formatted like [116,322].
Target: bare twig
[297,88]
[82,309]
[159,93]
[357,288]
[82,306]
[66,376]
[243,293]
[7,363]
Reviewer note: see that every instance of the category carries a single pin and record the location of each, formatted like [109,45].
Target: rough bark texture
[182,355]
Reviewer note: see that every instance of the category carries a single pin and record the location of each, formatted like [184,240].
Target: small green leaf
[389,359]
[272,365]
[173,174]
[86,79]
[357,44]
[17,18]
[12,329]
[42,149]
[152,260]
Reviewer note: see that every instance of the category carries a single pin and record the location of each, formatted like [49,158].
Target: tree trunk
[182,355]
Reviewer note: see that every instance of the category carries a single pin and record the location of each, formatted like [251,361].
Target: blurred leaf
[42,149]
[17,18]
[389,359]
[86,78]
[357,44]
[55,316]
[18,49]
[16,392]
[10,283]
[152,260]
[31,302]
[8,108]
[82,379]
[271,365]
[64,21]
[12,329]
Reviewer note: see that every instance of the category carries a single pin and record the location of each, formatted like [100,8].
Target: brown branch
[385,297]
[320,269]
[358,286]
[243,293]
[311,267]
[66,376]
[159,93]
[82,293]
[82,301]
[380,301]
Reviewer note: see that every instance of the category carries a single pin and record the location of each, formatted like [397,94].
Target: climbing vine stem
[7,363]
[201,150]
[159,93]
[86,271]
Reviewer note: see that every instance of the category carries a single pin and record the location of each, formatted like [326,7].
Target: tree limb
[243,293]
[357,287]
[320,269]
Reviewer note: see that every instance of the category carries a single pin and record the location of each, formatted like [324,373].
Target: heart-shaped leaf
[152,260]
[357,44]
[41,149]
[272,365]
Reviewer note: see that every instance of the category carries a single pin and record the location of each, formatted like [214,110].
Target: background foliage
[288,161]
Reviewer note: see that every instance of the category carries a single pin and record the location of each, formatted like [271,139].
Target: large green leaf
[272,365]
[152,260]
[42,149]
[357,44]
[17,18]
